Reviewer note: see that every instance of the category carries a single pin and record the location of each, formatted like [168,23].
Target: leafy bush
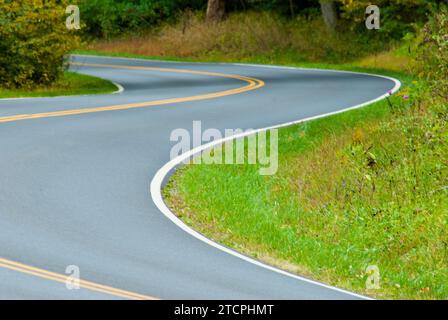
[33,42]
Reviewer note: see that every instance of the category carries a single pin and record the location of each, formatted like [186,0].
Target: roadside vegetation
[264,31]
[69,84]
[34,43]
[248,36]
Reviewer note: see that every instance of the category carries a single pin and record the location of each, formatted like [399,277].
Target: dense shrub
[33,41]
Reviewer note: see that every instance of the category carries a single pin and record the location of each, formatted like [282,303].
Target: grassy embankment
[366,187]
[70,84]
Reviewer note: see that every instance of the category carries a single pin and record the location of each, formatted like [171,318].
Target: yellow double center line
[252,85]
[41,273]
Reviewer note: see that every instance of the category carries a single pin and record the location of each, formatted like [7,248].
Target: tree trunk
[216,10]
[328,8]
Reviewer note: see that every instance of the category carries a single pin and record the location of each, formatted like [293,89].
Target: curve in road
[74,179]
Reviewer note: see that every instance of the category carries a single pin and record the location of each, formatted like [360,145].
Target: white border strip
[119,86]
[163,173]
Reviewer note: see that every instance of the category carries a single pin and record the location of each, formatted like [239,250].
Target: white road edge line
[163,173]
[119,86]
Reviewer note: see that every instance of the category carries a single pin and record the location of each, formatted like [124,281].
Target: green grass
[70,84]
[366,187]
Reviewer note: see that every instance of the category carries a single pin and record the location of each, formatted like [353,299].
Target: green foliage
[33,42]
[106,18]
[433,54]
[398,17]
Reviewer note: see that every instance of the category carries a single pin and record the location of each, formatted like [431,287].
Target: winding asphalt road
[76,171]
